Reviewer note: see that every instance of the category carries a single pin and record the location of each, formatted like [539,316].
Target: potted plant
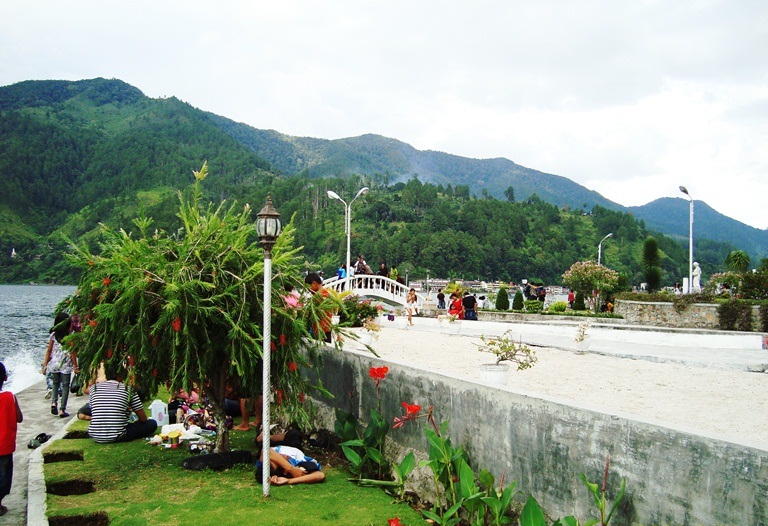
[582,338]
[451,320]
[371,331]
[505,349]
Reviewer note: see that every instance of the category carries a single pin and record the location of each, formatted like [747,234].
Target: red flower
[109,353]
[411,409]
[106,282]
[292,366]
[394,522]
[301,398]
[176,324]
[283,339]
[280,396]
[92,323]
[154,373]
[131,361]
[272,346]
[378,373]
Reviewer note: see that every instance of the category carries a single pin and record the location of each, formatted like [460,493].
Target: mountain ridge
[369,155]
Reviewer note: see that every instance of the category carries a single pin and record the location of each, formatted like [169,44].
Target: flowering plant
[581,331]
[372,327]
[506,349]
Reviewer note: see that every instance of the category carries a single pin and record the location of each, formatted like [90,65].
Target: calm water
[26,316]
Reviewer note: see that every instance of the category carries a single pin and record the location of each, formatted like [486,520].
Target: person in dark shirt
[470,306]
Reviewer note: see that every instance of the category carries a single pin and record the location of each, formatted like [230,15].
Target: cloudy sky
[629,98]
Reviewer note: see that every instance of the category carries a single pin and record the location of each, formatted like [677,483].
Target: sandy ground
[724,404]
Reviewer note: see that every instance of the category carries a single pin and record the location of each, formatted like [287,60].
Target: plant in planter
[507,349]
[371,327]
[582,338]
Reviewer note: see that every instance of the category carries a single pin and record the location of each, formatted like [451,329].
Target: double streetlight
[348,215]
[600,247]
[690,240]
[268,228]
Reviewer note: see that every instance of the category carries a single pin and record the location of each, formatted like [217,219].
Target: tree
[737,261]
[651,263]
[509,193]
[185,309]
[502,299]
[517,302]
[588,276]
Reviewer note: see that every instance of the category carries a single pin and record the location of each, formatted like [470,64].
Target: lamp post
[690,239]
[600,248]
[348,215]
[268,228]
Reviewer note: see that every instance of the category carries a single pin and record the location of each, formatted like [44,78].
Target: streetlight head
[333,195]
[684,190]
[268,225]
[609,235]
[362,191]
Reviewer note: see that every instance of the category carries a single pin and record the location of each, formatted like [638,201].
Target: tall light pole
[600,248]
[690,239]
[268,227]
[348,215]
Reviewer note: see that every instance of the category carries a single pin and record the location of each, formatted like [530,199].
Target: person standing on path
[411,301]
[10,417]
[60,363]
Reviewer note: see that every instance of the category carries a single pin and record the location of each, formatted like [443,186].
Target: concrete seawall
[674,476]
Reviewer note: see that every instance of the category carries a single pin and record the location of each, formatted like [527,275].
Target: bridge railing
[386,289]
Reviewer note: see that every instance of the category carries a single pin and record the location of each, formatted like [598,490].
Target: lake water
[26,317]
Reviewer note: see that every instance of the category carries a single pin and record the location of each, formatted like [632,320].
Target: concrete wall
[696,316]
[673,476]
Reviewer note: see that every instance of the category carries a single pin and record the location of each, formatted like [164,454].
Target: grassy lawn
[139,484]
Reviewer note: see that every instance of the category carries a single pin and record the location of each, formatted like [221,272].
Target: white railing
[386,289]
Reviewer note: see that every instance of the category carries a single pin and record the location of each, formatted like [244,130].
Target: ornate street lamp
[600,247]
[268,228]
[348,216]
[690,239]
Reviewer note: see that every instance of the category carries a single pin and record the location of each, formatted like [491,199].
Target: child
[10,416]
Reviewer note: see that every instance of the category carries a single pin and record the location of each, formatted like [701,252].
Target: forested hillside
[74,154]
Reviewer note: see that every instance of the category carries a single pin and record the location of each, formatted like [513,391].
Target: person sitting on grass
[111,403]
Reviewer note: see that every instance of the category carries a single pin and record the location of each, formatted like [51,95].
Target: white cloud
[629,99]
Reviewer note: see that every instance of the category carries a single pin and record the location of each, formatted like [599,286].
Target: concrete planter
[495,374]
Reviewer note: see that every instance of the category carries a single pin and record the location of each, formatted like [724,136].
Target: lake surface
[26,317]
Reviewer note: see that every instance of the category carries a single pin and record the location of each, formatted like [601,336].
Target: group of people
[464,306]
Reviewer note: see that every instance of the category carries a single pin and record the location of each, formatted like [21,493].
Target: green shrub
[517,302]
[533,305]
[735,315]
[559,306]
[502,299]
[356,311]
[578,302]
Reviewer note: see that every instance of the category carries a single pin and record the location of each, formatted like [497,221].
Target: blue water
[26,316]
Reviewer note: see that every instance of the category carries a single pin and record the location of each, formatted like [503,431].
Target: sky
[629,98]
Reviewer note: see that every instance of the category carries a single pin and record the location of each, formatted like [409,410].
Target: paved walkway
[37,419]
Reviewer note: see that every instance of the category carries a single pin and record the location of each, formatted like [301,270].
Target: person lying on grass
[289,463]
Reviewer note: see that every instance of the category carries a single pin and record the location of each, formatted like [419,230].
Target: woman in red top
[456,307]
[10,416]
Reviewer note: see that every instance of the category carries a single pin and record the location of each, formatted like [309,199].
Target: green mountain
[670,215]
[76,154]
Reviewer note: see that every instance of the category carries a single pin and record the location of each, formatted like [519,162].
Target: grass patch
[138,484]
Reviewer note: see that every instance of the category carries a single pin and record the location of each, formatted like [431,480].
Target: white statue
[696,285]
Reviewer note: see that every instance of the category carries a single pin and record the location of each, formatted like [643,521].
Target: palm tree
[737,261]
